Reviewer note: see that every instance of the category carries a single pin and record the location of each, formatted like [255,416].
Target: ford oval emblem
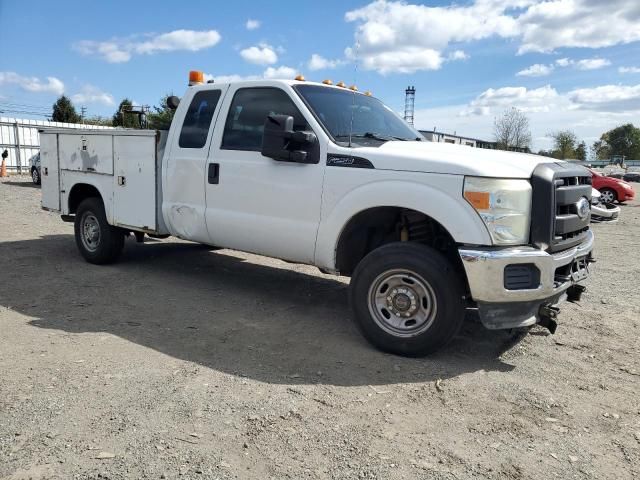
[583,207]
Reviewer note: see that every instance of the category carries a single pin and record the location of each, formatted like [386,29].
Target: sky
[566,63]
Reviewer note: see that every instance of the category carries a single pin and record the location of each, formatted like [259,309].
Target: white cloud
[528,100]
[119,50]
[592,63]
[318,62]
[588,111]
[536,70]
[395,36]
[253,24]
[90,94]
[546,26]
[399,37]
[629,70]
[33,84]
[271,73]
[261,54]
[607,98]
[564,62]
[284,72]
[458,55]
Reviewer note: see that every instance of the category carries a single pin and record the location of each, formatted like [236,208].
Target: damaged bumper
[520,286]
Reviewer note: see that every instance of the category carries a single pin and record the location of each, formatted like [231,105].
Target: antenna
[353,105]
[409,104]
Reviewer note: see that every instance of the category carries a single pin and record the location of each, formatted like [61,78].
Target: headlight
[504,205]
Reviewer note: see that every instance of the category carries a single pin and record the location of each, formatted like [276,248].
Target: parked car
[601,211]
[35,168]
[631,177]
[612,189]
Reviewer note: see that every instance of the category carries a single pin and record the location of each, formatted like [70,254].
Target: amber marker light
[479,200]
[327,82]
[196,77]
[299,78]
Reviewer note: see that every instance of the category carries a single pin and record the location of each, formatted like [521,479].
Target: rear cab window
[197,120]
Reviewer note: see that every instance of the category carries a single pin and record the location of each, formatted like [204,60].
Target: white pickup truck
[327,176]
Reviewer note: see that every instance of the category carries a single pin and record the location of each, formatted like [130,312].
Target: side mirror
[173,102]
[282,143]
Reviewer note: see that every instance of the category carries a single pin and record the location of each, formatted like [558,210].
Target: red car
[612,189]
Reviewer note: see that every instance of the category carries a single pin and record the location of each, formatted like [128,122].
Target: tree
[564,144]
[511,130]
[623,141]
[123,119]
[581,151]
[600,150]
[161,117]
[98,120]
[64,111]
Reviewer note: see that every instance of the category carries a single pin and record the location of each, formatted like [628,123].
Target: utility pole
[409,104]
[83,112]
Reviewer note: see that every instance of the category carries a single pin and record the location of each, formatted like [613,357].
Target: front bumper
[605,212]
[500,307]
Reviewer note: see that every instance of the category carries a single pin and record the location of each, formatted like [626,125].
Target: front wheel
[35,176]
[608,195]
[407,299]
[98,242]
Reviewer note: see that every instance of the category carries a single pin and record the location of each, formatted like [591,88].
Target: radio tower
[409,102]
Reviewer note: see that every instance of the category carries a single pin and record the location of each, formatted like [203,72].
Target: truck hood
[435,157]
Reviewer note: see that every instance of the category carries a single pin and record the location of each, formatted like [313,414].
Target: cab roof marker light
[196,77]
[368,93]
[299,78]
[354,88]
[327,82]
[340,84]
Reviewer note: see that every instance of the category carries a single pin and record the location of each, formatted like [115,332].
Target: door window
[198,119]
[248,112]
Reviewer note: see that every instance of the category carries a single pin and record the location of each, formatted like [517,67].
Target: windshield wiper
[373,135]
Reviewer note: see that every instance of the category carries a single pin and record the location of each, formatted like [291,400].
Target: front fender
[438,196]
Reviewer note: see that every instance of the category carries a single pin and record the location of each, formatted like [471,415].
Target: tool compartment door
[134,197]
[49,171]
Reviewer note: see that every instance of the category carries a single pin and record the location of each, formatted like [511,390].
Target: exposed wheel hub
[90,232]
[402,302]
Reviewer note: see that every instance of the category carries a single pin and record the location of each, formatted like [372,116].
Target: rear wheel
[97,241]
[608,195]
[407,299]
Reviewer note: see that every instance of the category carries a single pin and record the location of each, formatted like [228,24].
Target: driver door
[255,203]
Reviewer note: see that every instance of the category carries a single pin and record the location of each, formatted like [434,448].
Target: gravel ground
[179,362]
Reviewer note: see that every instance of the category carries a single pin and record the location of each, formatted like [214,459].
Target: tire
[98,242]
[35,176]
[426,308]
[608,195]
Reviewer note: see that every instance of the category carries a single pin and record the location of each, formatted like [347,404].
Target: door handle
[213,175]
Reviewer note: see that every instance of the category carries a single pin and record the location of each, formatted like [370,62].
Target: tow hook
[574,293]
[548,315]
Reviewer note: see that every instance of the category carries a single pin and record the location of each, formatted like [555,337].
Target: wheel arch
[80,192]
[450,215]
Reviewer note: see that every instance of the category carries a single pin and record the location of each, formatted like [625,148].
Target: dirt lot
[182,362]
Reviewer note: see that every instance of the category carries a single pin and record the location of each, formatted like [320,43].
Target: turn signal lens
[196,77]
[479,200]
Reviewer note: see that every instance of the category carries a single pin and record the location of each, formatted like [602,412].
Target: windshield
[367,119]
